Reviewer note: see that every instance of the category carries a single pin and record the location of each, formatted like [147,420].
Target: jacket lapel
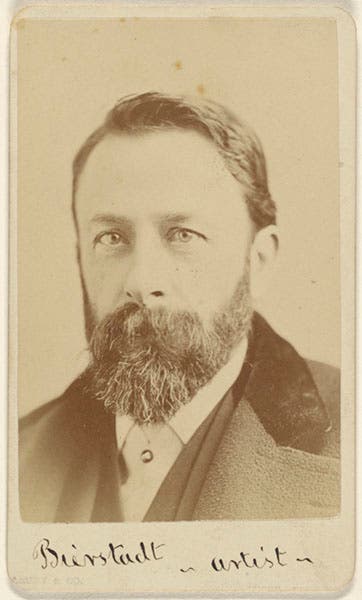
[252,478]
[277,406]
[281,390]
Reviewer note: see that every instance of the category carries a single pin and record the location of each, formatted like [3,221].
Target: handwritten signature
[114,553]
[118,554]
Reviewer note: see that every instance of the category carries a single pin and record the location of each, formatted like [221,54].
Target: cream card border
[330,541]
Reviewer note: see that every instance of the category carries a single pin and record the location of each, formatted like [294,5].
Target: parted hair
[236,142]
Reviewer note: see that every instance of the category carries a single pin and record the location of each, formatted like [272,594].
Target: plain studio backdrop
[280,75]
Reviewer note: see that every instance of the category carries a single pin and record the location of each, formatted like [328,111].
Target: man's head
[174,222]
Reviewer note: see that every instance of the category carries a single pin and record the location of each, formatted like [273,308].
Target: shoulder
[42,426]
[61,440]
[45,435]
[55,410]
[327,380]
[310,482]
[62,420]
[43,413]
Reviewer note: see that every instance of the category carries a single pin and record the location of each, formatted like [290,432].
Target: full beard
[147,363]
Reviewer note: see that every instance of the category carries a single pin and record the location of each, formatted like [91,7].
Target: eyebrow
[111,218]
[173,217]
[124,221]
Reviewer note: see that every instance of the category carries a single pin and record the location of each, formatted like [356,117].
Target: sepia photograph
[182,276]
[188,387]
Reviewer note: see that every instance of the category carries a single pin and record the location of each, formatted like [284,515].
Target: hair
[236,142]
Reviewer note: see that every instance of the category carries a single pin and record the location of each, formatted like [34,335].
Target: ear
[263,255]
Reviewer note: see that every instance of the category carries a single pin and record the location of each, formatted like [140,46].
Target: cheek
[224,266]
[211,283]
[103,285]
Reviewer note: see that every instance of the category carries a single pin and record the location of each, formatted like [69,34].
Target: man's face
[164,240]
[162,223]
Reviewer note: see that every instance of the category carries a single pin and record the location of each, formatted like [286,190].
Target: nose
[137,296]
[147,279]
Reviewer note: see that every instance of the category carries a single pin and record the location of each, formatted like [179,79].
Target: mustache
[132,326]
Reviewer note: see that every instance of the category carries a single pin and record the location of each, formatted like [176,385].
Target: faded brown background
[279,75]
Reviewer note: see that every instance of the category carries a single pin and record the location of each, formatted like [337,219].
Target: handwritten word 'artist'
[246,560]
[116,554]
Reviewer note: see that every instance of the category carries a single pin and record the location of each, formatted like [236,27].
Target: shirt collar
[190,416]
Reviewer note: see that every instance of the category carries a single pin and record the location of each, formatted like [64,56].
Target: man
[191,407]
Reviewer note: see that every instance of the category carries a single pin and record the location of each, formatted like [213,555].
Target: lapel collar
[282,392]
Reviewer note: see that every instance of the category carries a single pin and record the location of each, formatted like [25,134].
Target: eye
[183,236]
[109,238]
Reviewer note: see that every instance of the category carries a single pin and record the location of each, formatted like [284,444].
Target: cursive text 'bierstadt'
[116,554]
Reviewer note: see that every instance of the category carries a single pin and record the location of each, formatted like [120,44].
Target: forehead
[157,172]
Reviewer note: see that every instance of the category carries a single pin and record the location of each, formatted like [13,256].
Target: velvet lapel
[281,390]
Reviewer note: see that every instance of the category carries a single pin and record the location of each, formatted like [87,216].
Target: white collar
[190,416]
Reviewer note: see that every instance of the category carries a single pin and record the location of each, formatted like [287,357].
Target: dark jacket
[269,451]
